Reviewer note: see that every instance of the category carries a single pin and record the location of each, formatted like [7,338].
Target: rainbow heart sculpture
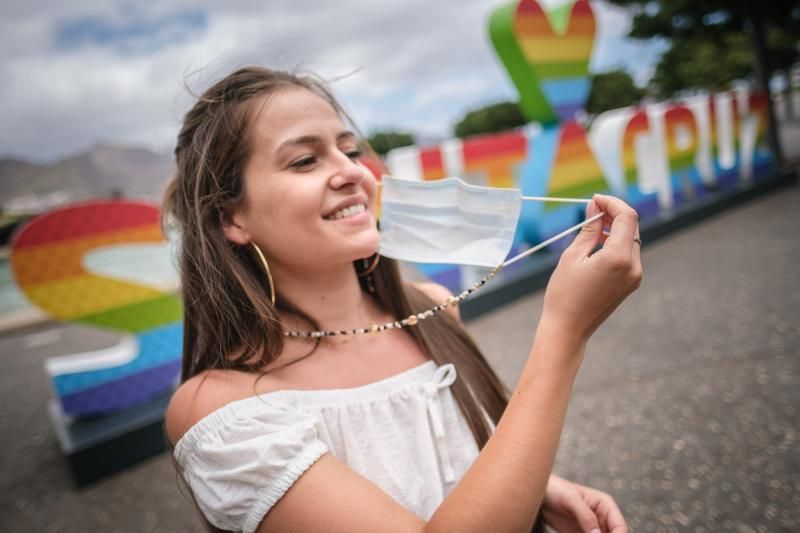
[547,56]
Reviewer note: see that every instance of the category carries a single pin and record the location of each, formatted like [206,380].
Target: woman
[289,419]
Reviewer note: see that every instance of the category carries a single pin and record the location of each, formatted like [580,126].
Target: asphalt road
[686,408]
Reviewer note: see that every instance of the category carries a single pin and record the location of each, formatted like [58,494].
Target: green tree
[712,41]
[702,63]
[713,63]
[383,141]
[707,46]
[492,118]
[612,90]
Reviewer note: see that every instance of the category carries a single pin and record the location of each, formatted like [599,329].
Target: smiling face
[308,200]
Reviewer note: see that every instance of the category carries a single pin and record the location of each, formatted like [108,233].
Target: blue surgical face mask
[447,221]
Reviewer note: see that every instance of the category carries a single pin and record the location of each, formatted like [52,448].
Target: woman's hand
[569,507]
[586,287]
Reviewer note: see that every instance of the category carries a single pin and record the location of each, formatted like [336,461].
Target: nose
[347,171]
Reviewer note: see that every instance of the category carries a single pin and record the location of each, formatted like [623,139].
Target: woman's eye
[303,162]
[354,154]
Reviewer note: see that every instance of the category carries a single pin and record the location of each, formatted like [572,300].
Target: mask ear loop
[539,198]
[552,239]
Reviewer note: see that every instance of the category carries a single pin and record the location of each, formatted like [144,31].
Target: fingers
[636,257]
[615,522]
[608,511]
[590,234]
[623,222]
[583,514]
[620,247]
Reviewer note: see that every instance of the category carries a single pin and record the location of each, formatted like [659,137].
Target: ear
[233,228]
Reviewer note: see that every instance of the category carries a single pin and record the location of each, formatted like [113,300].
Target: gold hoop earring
[266,268]
[371,268]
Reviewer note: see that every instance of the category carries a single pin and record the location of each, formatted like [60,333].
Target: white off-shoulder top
[404,433]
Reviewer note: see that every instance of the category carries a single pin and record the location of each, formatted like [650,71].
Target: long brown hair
[229,319]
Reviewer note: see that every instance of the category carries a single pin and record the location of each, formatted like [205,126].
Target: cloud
[89,71]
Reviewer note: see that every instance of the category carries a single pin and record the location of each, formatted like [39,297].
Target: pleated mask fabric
[447,221]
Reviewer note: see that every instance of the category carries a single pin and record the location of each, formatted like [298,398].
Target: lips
[346,208]
[347,212]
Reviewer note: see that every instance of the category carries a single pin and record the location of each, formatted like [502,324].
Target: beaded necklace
[410,320]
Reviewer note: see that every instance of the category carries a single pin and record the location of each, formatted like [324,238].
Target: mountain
[102,171]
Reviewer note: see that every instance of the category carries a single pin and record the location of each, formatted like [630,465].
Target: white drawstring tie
[444,376]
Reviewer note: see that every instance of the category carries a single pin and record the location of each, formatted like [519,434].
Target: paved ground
[686,408]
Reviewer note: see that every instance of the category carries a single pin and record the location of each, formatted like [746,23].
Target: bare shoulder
[438,293]
[201,395]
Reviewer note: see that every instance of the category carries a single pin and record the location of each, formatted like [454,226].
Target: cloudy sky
[88,71]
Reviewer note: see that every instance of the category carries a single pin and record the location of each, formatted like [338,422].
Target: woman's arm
[567,506]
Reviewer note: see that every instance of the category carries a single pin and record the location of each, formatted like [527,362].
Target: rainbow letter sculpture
[48,261]
[658,157]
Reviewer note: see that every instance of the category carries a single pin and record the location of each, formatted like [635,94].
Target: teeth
[348,211]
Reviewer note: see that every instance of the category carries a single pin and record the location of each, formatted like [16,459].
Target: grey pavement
[686,407]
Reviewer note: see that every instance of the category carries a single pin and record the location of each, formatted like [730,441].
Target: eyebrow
[314,139]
